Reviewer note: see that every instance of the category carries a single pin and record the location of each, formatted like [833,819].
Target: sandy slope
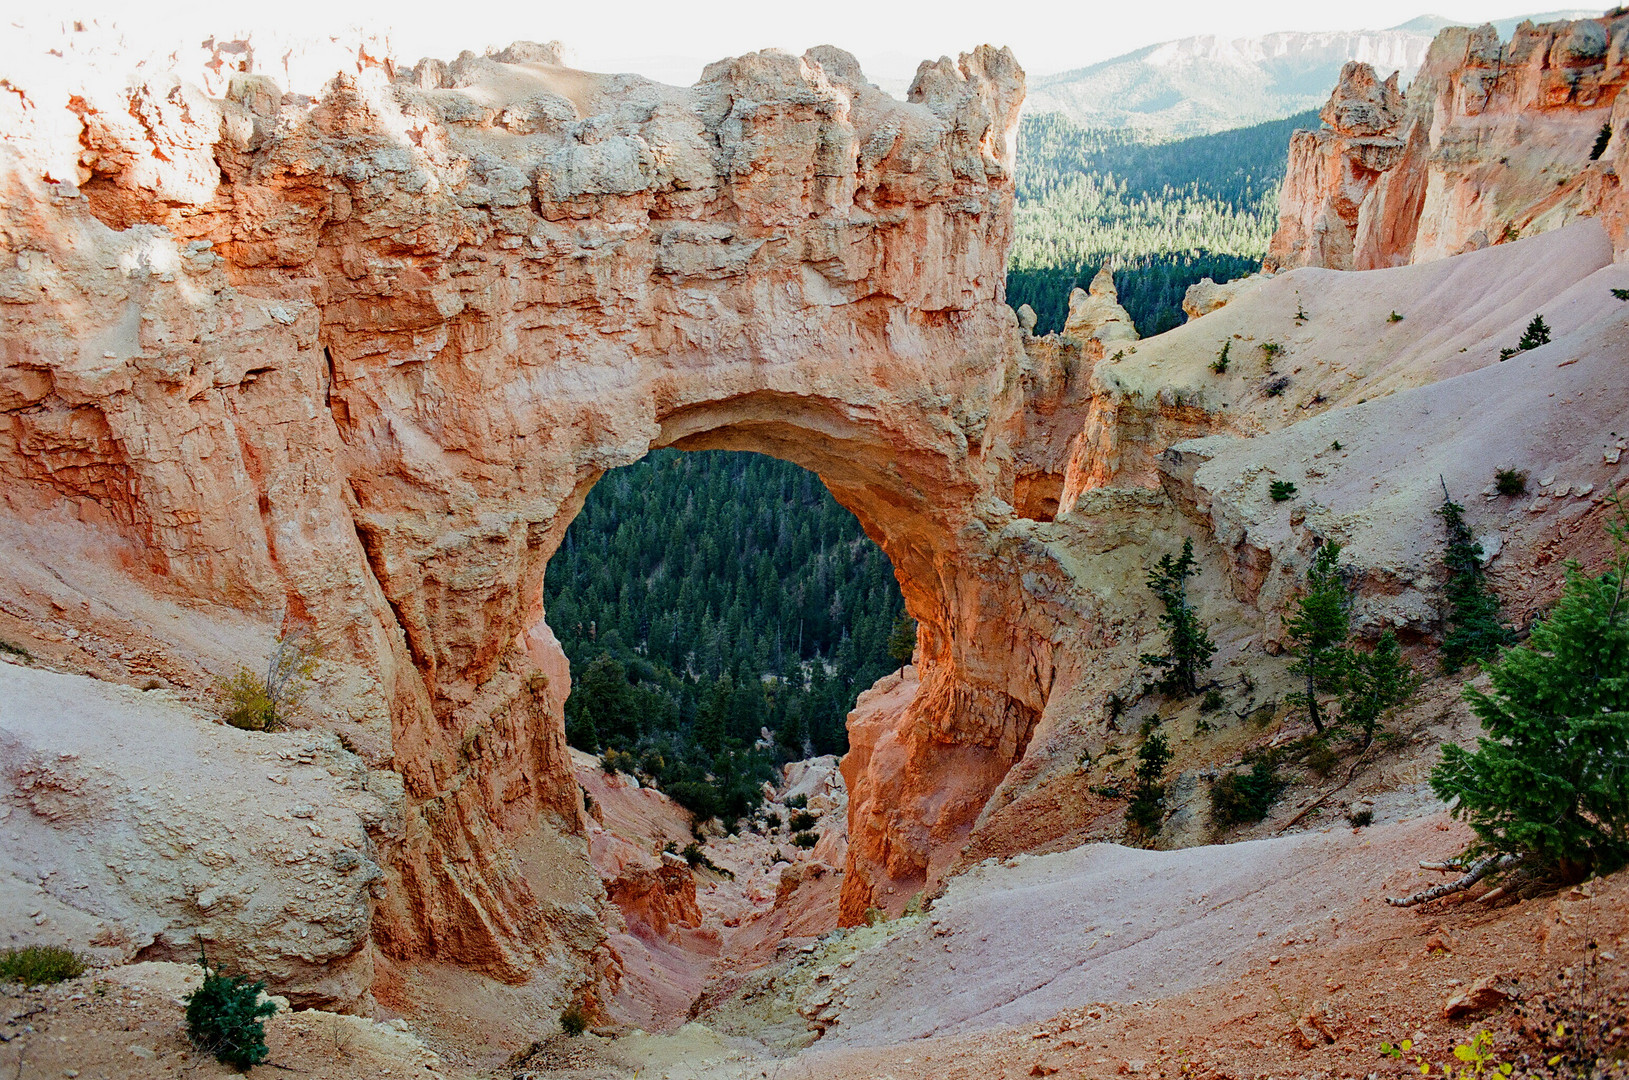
[1015,943]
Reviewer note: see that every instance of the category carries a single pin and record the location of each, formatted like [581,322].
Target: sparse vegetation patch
[34,965]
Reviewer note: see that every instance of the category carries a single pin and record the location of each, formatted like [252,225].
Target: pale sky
[671,40]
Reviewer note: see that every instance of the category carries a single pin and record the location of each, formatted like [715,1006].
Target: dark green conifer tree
[1548,782]
[1475,631]
[1188,646]
[1317,631]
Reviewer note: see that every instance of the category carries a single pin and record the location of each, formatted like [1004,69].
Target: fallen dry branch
[1326,796]
[1475,872]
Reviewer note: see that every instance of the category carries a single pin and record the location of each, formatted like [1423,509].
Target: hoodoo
[1492,141]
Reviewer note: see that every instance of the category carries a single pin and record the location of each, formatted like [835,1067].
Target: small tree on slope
[1474,629]
[1189,647]
[1548,784]
[1376,683]
[1317,631]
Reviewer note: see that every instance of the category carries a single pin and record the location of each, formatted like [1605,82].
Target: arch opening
[720,612]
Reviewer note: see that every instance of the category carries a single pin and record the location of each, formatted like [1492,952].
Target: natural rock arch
[364,357]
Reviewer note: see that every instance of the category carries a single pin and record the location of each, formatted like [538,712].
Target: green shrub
[15,650]
[1394,317]
[1320,757]
[1621,294]
[256,702]
[806,839]
[34,965]
[1281,490]
[1213,700]
[1547,781]
[772,822]
[1271,350]
[797,802]
[574,1019]
[1510,482]
[1219,365]
[1237,798]
[1360,819]
[247,706]
[1277,386]
[802,821]
[618,761]
[225,1016]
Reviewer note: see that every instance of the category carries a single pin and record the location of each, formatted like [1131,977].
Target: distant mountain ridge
[1196,85]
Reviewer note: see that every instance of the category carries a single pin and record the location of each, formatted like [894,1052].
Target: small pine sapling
[1536,334]
[1189,648]
[1394,317]
[902,641]
[1474,629]
[1317,631]
[1281,490]
[226,1016]
[1510,482]
[1219,365]
[1300,312]
[1621,294]
[1148,798]
[1376,683]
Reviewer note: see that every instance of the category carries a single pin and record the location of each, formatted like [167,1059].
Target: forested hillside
[1163,214]
[704,596]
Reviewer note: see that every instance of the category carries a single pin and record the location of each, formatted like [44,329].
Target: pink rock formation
[362,357]
[1491,141]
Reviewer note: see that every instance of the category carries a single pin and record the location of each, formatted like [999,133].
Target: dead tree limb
[1325,797]
[1475,872]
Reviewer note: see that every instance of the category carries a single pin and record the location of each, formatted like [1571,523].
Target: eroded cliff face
[359,358]
[1492,141]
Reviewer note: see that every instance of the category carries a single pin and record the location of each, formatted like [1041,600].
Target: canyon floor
[1275,957]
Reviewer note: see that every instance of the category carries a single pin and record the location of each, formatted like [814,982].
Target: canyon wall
[1491,141]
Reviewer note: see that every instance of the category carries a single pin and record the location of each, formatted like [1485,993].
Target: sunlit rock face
[359,356]
[1490,142]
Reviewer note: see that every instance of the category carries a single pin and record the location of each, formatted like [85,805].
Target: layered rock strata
[1492,141]
[358,358]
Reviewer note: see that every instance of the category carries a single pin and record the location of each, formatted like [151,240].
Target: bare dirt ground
[1278,958]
